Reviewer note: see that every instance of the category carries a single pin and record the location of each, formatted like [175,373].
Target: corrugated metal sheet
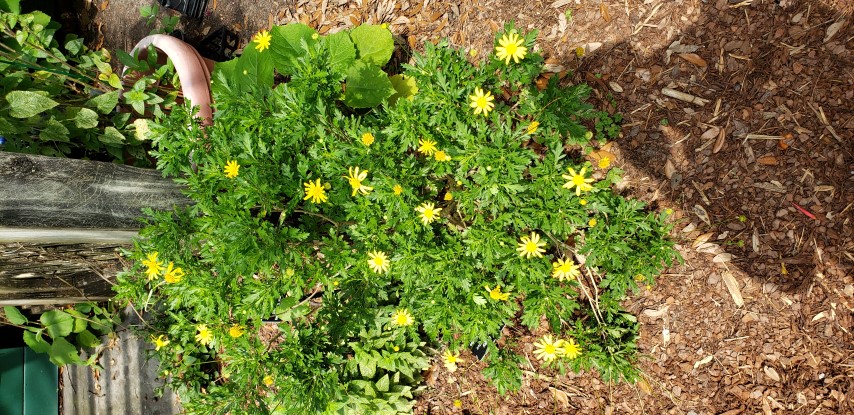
[125,386]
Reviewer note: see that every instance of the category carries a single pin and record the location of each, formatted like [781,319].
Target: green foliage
[369,234]
[324,62]
[69,331]
[61,99]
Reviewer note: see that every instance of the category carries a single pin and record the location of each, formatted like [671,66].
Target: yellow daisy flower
[571,349]
[592,222]
[315,191]
[565,270]
[547,349]
[154,267]
[268,380]
[356,178]
[449,196]
[231,169]
[496,294]
[428,212]
[378,261]
[582,202]
[604,162]
[402,318]
[578,181]
[451,360]
[426,146]
[173,275]
[367,139]
[204,335]
[442,156]
[532,127]
[510,47]
[262,40]
[397,189]
[236,331]
[482,102]
[159,341]
[531,246]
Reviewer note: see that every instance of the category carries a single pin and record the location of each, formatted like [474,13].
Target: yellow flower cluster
[154,268]
[548,349]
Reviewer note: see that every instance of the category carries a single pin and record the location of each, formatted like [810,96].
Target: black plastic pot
[192,8]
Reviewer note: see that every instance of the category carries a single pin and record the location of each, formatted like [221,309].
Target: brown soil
[766,156]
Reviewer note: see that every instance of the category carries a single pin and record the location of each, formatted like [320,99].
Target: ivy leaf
[83,117]
[25,104]
[62,352]
[104,103]
[342,52]
[286,45]
[367,85]
[54,131]
[36,342]
[14,315]
[374,43]
[111,136]
[382,384]
[58,323]
[87,339]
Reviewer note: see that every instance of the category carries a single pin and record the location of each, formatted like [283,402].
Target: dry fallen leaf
[644,386]
[722,257]
[702,239]
[603,8]
[719,143]
[710,133]
[694,59]
[733,288]
[832,29]
[669,169]
[755,241]
[560,396]
[772,186]
[703,361]
[702,214]
[678,47]
[654,314]
[599,155]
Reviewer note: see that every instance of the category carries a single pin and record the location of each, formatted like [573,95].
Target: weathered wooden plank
[10,234]
[48,192]
[57,274]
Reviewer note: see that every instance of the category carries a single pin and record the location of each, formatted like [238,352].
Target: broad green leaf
[286,45]
[14,315]
[11,6]
[367,367]
[87,339]
[374,43]
[58,323]
[80,324]
[104,103]
[111,136]
[62,352]
[404,87]
[367,86]
[25,104]
[382,384]
[256,67]
[54,131]
[73,44]
[342,52]
[83,117]
[6,127]
[36,342]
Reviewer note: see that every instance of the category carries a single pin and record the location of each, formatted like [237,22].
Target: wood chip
[722,257]
[694,59]
[832,29]
[733,288]
[703,361]
[771,373]
[771,186]
[560,3]
[767,160]
[682,96]
[755,241]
